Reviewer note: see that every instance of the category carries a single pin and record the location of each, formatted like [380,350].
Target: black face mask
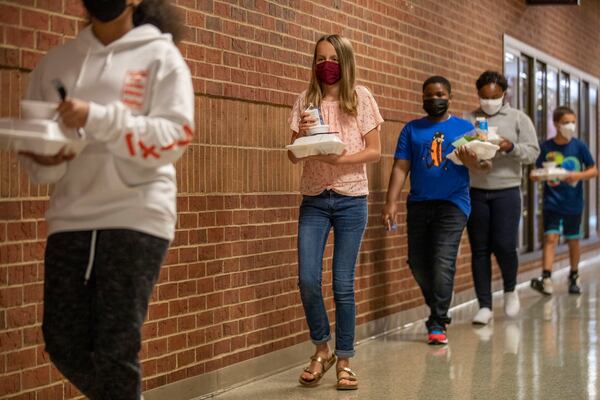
[105,10]
[435,107]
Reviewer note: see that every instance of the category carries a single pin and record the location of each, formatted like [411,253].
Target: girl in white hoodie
[112,213]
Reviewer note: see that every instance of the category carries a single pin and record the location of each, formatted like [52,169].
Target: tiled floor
[550,351]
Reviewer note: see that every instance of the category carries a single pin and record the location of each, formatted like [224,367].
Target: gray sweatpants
[93,331]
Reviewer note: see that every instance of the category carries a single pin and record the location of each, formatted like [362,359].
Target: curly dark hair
[438,79]
[492,77]
[162,14]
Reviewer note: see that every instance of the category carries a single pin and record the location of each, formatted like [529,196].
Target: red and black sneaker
[437,336]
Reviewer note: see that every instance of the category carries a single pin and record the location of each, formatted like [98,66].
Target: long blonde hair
[345,53]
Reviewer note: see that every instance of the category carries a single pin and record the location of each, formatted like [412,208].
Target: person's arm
[300,128]
[587,160]
[291,155]
[588,174]
[400,172]
[527,149]
[538,164]
[157,139]
[152,140]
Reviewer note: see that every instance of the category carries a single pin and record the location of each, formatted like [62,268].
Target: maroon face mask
[328,72]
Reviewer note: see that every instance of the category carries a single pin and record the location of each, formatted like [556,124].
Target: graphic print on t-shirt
[571,164]
[435,152]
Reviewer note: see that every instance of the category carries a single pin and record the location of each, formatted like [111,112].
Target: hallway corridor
[550,351]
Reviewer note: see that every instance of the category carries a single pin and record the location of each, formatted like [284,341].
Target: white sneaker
[511,304]
[483,316]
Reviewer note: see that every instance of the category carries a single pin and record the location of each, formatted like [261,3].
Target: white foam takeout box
[483,151]
[314,145]
[38,136]
[549,174]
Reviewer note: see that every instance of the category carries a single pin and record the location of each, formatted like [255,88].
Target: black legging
[92,331]
[494,228]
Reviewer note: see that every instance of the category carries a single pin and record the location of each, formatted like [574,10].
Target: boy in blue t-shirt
[438,204]
[563,200]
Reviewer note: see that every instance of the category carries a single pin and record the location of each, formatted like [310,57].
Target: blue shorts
[567,225]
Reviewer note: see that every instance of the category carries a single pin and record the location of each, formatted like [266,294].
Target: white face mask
[492,106]
[568,130]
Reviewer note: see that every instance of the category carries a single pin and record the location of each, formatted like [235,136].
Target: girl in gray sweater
[496,196]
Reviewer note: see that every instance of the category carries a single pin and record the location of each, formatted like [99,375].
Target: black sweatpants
[92,330]
[493,228]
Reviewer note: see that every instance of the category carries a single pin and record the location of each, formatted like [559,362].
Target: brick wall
[227,292]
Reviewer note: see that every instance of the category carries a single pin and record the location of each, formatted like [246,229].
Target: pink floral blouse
[348,180]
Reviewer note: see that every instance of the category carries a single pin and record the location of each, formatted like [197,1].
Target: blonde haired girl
[335,190]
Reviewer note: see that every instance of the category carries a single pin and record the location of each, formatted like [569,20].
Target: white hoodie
[140,121]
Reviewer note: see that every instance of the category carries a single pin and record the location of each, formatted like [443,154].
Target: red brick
[10,384]
[18,231]
[21,359]
[10,210]
[63,26]
[35,19]
[36,377]
[19,37]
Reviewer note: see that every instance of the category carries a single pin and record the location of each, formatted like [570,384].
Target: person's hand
[306,122]
[49,161]
[388,215]
[467,157]
[534,177]
[506,145]
[572,177]
[332,159]
[74,113]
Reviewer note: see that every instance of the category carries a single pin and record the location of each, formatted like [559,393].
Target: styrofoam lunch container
[315,130]
[315,145]
[550,173]
[38,136]
[483,151]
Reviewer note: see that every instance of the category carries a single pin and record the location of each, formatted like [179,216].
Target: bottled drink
[482,127]
[315,112]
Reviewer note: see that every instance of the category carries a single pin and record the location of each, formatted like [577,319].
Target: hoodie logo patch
[134,89]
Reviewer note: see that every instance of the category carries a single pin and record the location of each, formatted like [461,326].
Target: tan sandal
[325,365]
[351,377]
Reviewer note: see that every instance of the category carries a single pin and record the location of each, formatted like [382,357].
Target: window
[552,100]
[540,100]
[564,89]
[593,185]
[538,83]
[524,85]
[574,103]
[511,72]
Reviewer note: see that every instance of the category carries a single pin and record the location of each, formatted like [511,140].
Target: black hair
[560,112]
[489,77]
[162,14]
[438,79]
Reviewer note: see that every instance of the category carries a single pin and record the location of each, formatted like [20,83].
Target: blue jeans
[348,217]
[434,230]
[494,228]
